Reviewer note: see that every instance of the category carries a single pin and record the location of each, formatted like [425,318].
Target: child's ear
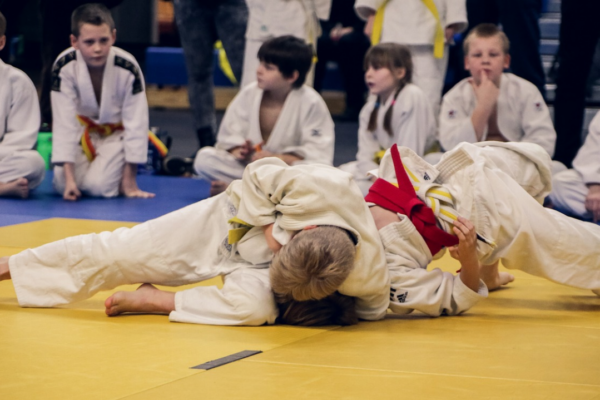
[74,42]
[2,42]
[114,35]
[466,63]
[294,77]
[399,73]
[506,61]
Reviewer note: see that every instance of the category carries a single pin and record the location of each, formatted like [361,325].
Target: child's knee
[100,185]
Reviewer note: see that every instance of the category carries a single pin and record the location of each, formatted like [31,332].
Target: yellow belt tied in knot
[438,42]
[106,130]
[240,229]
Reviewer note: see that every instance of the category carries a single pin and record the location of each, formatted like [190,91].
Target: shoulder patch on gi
[64,60]
[129,66]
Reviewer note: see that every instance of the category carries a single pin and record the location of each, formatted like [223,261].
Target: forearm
[469,274]
[479,119]
[289,158]
[69,169]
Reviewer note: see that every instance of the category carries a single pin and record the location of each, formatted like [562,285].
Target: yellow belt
[438,43]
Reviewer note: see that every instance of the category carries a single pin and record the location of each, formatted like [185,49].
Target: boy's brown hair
[391,56]
[487,31]
[335,309]
[92,13]
[2,25]
[313,264]
[289,54]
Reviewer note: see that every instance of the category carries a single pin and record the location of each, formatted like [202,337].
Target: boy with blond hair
[99,110]
[311,212]
[491,104]
[21,168]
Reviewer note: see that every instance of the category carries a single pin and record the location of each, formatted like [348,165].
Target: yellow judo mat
[533,340]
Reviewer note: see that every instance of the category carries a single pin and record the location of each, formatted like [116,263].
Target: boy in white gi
[492,105]
[577,190]
[21,168]
[277,116]
[233,235]
[397,112]
[99,110]
[268,19]
[499,188]
[426,27]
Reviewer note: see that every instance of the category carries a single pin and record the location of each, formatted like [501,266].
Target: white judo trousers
[123,101]
[19,124]
[569,188]
[183,247]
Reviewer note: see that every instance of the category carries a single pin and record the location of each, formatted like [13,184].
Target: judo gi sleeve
[23,121]
[413,287]
[135,121]
[536,122]
[66,129]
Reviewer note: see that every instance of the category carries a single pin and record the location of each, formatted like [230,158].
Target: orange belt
[107,130]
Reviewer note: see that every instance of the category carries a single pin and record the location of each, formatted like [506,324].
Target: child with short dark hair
[21,167]
[491,104]
[277,116]
[397,112]
[100,112]
[275,208]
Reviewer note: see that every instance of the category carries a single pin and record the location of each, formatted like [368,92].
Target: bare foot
[4,271]
[217,187]
[132,190]
[492,278]
[17,188]
[146,299]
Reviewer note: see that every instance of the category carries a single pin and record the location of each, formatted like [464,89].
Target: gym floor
[532,340]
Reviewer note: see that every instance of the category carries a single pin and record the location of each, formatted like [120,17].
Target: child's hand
[71,192]
[449,33]
[369,26]
[244,152]
[466,250]
[262,154]
[592,201]
[486,91]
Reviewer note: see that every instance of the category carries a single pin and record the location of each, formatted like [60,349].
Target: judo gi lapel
[86,89]
[108,88]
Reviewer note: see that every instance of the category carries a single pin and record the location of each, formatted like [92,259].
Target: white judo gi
[19,125]
[123,101]
[499,187]
[413,125]
[411,23]
[569,188]
[522,114]
[272,18]
[304,127]
[190,245]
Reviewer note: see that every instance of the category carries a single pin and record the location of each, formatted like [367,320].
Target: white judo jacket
[123,100]
[411,22]
[19,111]
[522,114]
[413,126]
[304,126]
